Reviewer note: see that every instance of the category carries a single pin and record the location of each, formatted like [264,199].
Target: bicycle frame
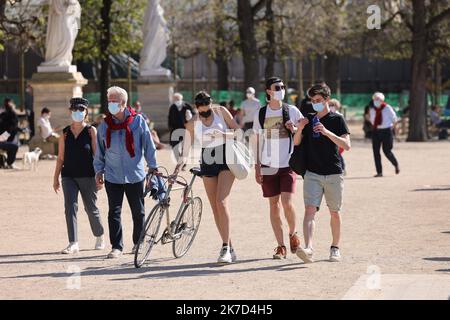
[165,204]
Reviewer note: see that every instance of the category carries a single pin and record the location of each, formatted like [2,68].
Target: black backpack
[297,161]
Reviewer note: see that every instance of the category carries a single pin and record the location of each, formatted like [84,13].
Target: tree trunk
[175,69]
[300,88]
[438,81]
[248,44]
[104,48]
[222,73]
[313,69]
[270,37]
[331,72]
[418,93]
[221,59]
[22,80]
[286,77]
[193,71]
[129,80]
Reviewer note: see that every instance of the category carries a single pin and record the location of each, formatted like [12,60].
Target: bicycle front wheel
[148,236]
[188,227]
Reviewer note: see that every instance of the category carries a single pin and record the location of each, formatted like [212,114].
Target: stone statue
[62,29]
[156,38]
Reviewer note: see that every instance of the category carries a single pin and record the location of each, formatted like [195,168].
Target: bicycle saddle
[196,172]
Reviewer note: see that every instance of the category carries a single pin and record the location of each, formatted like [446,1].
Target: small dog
[31,159]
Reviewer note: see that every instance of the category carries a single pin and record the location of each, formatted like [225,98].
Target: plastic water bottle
[314,123]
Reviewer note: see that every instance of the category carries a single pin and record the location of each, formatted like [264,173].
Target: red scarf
[379,115]
[124,125]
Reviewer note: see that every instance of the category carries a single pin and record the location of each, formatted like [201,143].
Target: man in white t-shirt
[384,120]
[250,106]
[274,126]
[46,131]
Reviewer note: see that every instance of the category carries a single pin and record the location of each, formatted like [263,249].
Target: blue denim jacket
[115,162]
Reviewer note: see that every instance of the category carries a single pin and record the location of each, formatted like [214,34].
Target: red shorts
[278,181]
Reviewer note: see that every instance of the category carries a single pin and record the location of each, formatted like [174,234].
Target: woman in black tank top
[78,154]
[77,147]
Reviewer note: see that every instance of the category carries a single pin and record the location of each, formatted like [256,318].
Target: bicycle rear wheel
[148,236]
[188,227]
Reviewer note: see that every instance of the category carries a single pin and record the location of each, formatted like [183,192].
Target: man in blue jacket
[124,141]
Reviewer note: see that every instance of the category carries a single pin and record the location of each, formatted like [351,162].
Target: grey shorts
[316,186]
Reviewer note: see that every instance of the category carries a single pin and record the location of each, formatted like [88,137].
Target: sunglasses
[78,108]
[279,88]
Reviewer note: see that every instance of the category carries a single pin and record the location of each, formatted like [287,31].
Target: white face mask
[249,96]
[279,95]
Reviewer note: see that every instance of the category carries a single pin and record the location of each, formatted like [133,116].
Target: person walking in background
[239,118]
[180,113]
[322,136]
[138,110]
[231,106]
[274,127]
[367,126]
[99,119]
[210,126]
[124,141]
[383,120]
[46,130]
[29,107]
[77,147]
[8,131]
[250,106]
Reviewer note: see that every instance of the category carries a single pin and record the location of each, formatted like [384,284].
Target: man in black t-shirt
[324,176]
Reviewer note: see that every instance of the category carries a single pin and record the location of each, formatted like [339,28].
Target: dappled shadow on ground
[438,259]
[53,257]
[156,270]
[443,270]
[432,188]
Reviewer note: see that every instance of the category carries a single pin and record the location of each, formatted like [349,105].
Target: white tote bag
[239,159]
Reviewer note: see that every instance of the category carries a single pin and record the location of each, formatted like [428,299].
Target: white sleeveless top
[201,131]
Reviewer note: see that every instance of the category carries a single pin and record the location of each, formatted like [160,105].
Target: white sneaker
[305,254]
[335,255]
[115,254]
[72,248]
[225,255]
[100,243]
[233,255]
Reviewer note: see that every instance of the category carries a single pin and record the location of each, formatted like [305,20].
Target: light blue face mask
[318,107]
[114,107]
[377,103]
[78,116]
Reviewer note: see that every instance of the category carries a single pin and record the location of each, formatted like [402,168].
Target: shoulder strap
[286,118]
[66,131]
[262,116]
[89,127]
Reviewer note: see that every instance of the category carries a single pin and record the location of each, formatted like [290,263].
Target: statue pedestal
[155,94]
[54,91]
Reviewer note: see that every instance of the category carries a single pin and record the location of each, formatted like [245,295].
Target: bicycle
[180,232]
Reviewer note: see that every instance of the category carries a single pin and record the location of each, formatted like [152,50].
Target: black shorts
[213,161]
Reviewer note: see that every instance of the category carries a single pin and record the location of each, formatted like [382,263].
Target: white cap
[378,96]
[251,90]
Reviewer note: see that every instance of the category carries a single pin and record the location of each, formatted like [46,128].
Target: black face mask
[205,114]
